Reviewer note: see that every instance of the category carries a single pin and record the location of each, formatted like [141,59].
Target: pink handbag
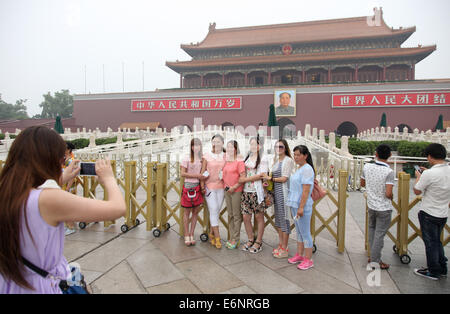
[318,192]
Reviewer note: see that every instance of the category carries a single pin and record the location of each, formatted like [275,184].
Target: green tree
[61,104]
[13,112]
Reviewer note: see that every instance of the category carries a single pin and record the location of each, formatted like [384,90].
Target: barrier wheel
[204,237]
[405,259]
[314,249]
[395,249]
[137,222]
[156,233]
[82,225]
[167,225]
[124,228]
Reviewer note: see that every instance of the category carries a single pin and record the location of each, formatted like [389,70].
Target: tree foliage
[60,104]
[12,112]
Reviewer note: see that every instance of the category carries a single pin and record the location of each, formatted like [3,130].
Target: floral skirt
[249,204]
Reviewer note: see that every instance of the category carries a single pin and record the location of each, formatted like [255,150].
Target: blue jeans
[303,228]
[431,228]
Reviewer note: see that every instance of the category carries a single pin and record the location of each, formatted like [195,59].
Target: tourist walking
[191,196]
[281,171]
[252,201]
[378,178]
[214,190]
[34,209]
[301,185]
[233,171]
[434,183]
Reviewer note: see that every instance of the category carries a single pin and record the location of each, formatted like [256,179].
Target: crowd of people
[249,184]
[37,203]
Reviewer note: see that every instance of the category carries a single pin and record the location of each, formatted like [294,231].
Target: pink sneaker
[296,259]
[306,264]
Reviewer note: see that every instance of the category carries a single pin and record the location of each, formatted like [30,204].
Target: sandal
[192,240]
[275,251]
[212,239]
[256,250]
[246,246]
[282,253]
[218,243]
[187,241]
[232,246]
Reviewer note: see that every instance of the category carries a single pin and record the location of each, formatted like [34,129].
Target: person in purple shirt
[34,209]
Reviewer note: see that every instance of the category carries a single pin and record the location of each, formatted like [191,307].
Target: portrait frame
[292,107]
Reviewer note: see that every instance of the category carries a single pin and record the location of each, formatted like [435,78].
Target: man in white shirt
[434,183]
[378,178]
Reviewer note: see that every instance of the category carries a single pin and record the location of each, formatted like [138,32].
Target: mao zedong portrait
[287,105]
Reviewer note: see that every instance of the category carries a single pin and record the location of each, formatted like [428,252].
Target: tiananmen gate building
[337,75]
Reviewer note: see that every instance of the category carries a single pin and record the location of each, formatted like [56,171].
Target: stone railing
[386,134]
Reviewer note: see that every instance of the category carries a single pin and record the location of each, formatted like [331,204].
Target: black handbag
[63,285]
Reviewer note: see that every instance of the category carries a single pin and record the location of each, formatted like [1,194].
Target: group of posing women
[249,186]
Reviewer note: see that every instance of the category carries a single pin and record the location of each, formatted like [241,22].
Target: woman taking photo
[214,190]
[233,171]
[191,197]
[34,209]
[252,201]
[300,202]
[281,171]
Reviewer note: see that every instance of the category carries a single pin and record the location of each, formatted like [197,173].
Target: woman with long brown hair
[191,196]
[281,171]
[34,209]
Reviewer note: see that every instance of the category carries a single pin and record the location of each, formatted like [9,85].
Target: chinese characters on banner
[180,104]
[423,99]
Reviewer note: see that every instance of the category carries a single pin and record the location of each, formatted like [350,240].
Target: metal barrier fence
[403,223]
[154,180]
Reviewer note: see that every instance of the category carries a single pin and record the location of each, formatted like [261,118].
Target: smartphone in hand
[87,169]
[418,168]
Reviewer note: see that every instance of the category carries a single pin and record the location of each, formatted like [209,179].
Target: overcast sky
[46,44]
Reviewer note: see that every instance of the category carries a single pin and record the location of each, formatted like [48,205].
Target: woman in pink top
[191,197]
[233,170]
[214,191]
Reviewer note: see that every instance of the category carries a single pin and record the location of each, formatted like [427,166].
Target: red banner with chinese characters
[422,99]
[180,104]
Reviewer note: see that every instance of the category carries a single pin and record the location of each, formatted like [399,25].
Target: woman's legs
[194,218]
[187,212]
[248,226]
[215,201]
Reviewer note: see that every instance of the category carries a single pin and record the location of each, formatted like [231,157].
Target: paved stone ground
[137,262]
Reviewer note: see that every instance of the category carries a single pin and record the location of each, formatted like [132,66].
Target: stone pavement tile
[91,236]
[223,256]
[152,267]
[183,286]
[208,276]
[335,268]
[172,245]
[266,258]
[239,290]
[364,276]
[119,280]
[262,279]
[315,281]
[90,276]
[110,254]
[75,249]
[408,282]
